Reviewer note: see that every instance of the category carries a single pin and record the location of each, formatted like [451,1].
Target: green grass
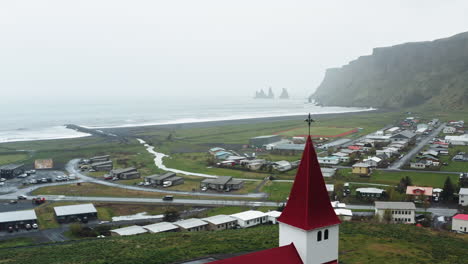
[459,166]
[359,243]
[316,130]
[277,191]
[16,242]
[6,158]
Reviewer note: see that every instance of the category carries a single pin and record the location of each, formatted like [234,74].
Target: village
[349,164]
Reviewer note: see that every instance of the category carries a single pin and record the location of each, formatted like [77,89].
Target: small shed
[78,212]
[11,170]
[161,227]
[272,216]
[20,218]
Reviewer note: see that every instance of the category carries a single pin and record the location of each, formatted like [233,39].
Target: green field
[315,130]
[6,158]
[359,243]
[458,166]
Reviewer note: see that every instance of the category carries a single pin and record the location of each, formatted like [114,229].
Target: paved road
[399,163]
[71,167]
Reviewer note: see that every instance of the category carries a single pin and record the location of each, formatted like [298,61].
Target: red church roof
[280,255]
[309,206]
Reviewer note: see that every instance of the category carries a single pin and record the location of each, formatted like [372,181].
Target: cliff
[405,75]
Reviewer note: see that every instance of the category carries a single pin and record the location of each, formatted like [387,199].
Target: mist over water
[32,120]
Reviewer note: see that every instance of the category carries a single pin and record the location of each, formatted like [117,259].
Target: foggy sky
[211,47]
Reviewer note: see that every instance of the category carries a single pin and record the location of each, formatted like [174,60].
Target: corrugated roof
[190,223]
[15,216]
[248,215]
[130,230]
[395,205]
[275,214]
[160,227]
[219,219]
[75,209]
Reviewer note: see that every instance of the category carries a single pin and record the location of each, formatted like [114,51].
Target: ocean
[33,119]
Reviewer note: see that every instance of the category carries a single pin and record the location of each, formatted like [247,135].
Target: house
[361,169]
[431,152]
[460,223]
[102,165]
[404,135]
[308,232]
[418,165]
[254,165]
[261,141]
[99,159]
[192,225]
[11,170]
[220,222]
[328,172]
[250,218]
[128,231]
[392,130]
[222,183]
[458,140]
[167,179]
[436,194]
[343,157]
[222,155]
[272,216]
[330,160]
[212,151]
[387,151]
[422,129]
[370,192]
[449,130]
[282,166]
[378,138]
[463,197]
[161,227]
[400,212]
[460,157]
[79,212]
[344,214]
[418,193]
[19,218]
[373,161]
[125,174]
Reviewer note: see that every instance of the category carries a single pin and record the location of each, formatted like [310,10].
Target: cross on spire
[309,121]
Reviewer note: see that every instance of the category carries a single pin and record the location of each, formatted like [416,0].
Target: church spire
[309,206]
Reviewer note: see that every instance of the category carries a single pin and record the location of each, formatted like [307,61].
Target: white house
[401,212]
[460,223]
[128,231]
[373,161]
[161,227]
[192,225]
[220,222]
[328,172]
[250,218]
[463,197]
[449,130]
[330,160]
[272,216]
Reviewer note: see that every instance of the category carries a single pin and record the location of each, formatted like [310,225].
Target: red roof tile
[461,217]
[280,255]
[309,206]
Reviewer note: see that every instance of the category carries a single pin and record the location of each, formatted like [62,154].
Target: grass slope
[359,243]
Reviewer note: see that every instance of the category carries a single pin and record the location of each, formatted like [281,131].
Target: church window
[319,236]
[325,235]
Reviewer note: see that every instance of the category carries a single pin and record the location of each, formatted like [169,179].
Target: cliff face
[405,75]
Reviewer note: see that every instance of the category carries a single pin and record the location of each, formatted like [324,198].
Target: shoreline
[129,131]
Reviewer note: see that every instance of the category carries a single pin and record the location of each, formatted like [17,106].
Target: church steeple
[308,206]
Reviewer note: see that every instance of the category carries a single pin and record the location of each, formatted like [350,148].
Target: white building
[220,222]
[401,212]
[128,231]
[449,130]
[192,225]
[273,216]
[331,160]
[250,218]
[328,172]
[460,223]
[370,192]
[373,161]
[344,214]
[463,197]
[457,140]
[161,227]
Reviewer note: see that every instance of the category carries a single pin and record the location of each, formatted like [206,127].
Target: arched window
[325,235]
[319,236]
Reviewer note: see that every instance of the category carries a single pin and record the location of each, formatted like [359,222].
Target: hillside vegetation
[359,243]
[431,73]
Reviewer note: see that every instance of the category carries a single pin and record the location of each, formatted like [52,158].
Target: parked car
[44,180]
[24,175]
[10,229]
[13,201]
[22,197]
[108,177]
[35,226]
[58,178]
[38,200]
[168,198]
[2,183]
[72,177]
[2,179]
[28,227]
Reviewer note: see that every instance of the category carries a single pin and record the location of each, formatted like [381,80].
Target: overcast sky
[211,47]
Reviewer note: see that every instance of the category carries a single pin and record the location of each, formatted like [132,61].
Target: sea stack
[284,94]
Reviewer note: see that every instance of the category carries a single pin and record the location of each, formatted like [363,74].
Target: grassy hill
[432,73]
[359,243]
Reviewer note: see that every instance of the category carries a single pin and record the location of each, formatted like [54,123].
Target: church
[308,225]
